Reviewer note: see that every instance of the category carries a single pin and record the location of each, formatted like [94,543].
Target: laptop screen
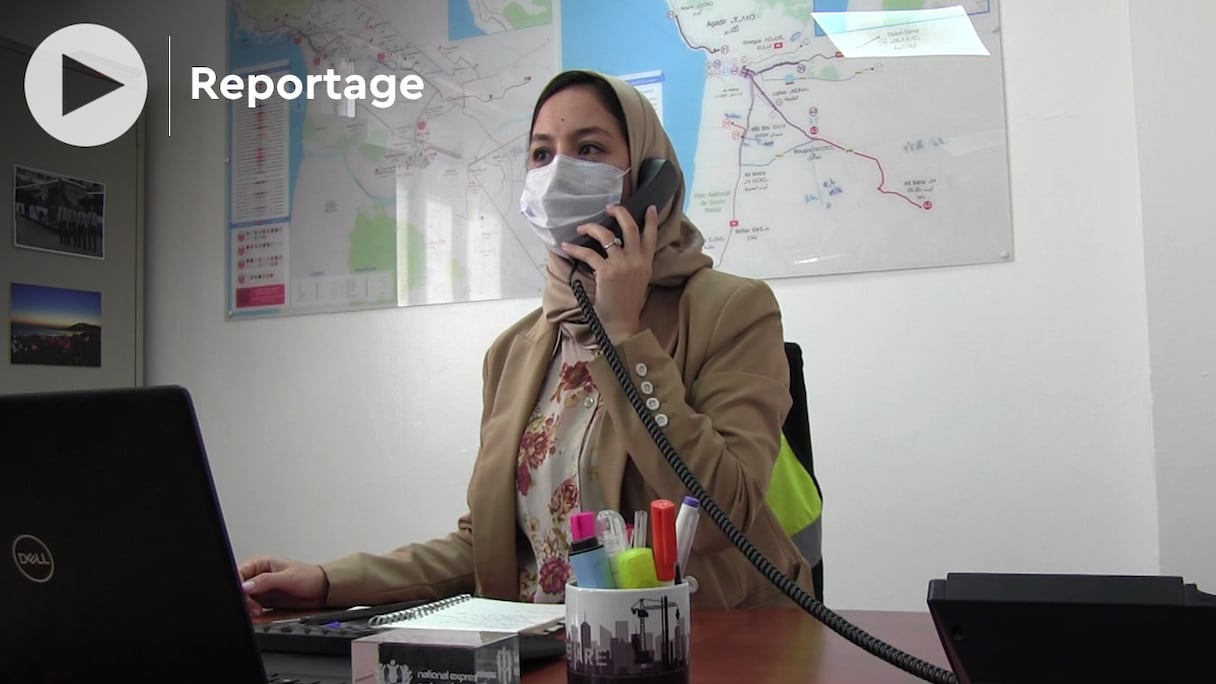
[118,564]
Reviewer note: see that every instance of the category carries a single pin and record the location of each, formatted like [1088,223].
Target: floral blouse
[555,472]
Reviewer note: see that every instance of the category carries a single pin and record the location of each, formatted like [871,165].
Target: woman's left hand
[622,277]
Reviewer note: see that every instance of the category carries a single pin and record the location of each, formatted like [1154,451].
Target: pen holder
[620,635]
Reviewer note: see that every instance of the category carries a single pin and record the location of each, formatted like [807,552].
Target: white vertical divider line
[169,96]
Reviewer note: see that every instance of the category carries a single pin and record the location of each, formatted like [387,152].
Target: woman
[557,433]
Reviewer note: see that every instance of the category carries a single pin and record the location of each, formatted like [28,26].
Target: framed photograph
[54,212]
[54,326]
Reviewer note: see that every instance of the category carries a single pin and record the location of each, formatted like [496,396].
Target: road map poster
[799,161]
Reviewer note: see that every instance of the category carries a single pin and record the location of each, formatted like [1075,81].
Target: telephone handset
[657,184]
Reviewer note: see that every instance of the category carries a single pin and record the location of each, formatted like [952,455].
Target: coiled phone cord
[859,637]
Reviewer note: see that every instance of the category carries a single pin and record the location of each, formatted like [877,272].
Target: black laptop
[117,563]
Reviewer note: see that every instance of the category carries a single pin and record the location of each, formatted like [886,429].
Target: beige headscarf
[679,252]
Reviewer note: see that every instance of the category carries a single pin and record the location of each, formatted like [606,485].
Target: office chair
[797,433]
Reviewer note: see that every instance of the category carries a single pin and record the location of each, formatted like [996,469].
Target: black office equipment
[116,561]
[297,637]
[1049,629]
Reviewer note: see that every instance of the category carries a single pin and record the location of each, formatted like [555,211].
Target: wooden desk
[782,645]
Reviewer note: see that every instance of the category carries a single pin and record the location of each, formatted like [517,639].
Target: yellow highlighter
[635,569]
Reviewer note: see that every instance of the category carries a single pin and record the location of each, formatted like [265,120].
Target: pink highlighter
[582,525]
[587,557]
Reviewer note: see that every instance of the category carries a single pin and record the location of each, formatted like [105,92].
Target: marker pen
[686,529]
[663,529]
[636,569]
[590,565]
[582,525]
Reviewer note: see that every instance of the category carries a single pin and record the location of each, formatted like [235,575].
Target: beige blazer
[712,349]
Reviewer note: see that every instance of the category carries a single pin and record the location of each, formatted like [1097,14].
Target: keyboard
[296,637]
[328,633]
[293,668]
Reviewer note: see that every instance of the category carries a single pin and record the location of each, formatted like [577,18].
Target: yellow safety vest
[792,493]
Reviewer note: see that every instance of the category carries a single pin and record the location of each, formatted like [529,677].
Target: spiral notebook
[474,613]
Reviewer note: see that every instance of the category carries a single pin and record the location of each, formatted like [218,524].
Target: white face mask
[566,193]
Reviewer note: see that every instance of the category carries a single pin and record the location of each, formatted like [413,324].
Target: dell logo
[33,558]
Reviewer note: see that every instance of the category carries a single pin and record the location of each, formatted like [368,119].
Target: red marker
[663,531]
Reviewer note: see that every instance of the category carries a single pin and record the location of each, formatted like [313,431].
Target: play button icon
[85,85]
[80,94]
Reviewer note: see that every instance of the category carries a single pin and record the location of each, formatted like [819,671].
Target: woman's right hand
[281,583]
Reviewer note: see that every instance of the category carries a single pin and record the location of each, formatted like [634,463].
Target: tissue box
[418,656]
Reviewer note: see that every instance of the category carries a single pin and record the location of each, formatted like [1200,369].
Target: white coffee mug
[620,634]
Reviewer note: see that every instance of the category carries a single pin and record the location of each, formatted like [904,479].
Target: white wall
[998,417]
[1177,146]
[979,418]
